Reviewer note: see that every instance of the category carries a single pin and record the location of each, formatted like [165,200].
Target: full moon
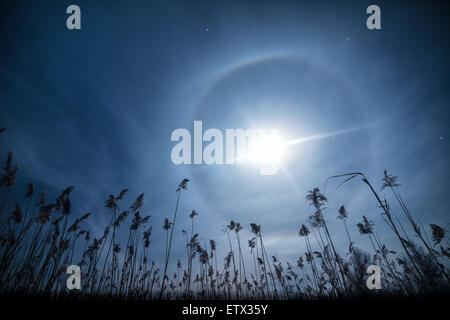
[269,149]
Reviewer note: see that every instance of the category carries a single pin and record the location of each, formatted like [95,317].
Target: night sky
[95,108]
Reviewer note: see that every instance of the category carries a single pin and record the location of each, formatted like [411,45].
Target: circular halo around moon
[300,100]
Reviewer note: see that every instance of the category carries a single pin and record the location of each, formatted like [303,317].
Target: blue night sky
[95,108]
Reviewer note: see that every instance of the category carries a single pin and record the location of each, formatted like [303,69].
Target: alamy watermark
[74,280]
[374,278]
[262,147]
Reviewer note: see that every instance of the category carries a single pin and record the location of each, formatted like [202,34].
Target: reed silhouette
[40,239]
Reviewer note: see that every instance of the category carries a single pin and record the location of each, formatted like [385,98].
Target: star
[441,138]
[207,29]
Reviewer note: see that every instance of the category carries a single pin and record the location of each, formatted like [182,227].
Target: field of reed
[41,237]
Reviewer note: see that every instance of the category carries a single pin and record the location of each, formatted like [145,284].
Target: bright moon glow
[267,150]
[270,148]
